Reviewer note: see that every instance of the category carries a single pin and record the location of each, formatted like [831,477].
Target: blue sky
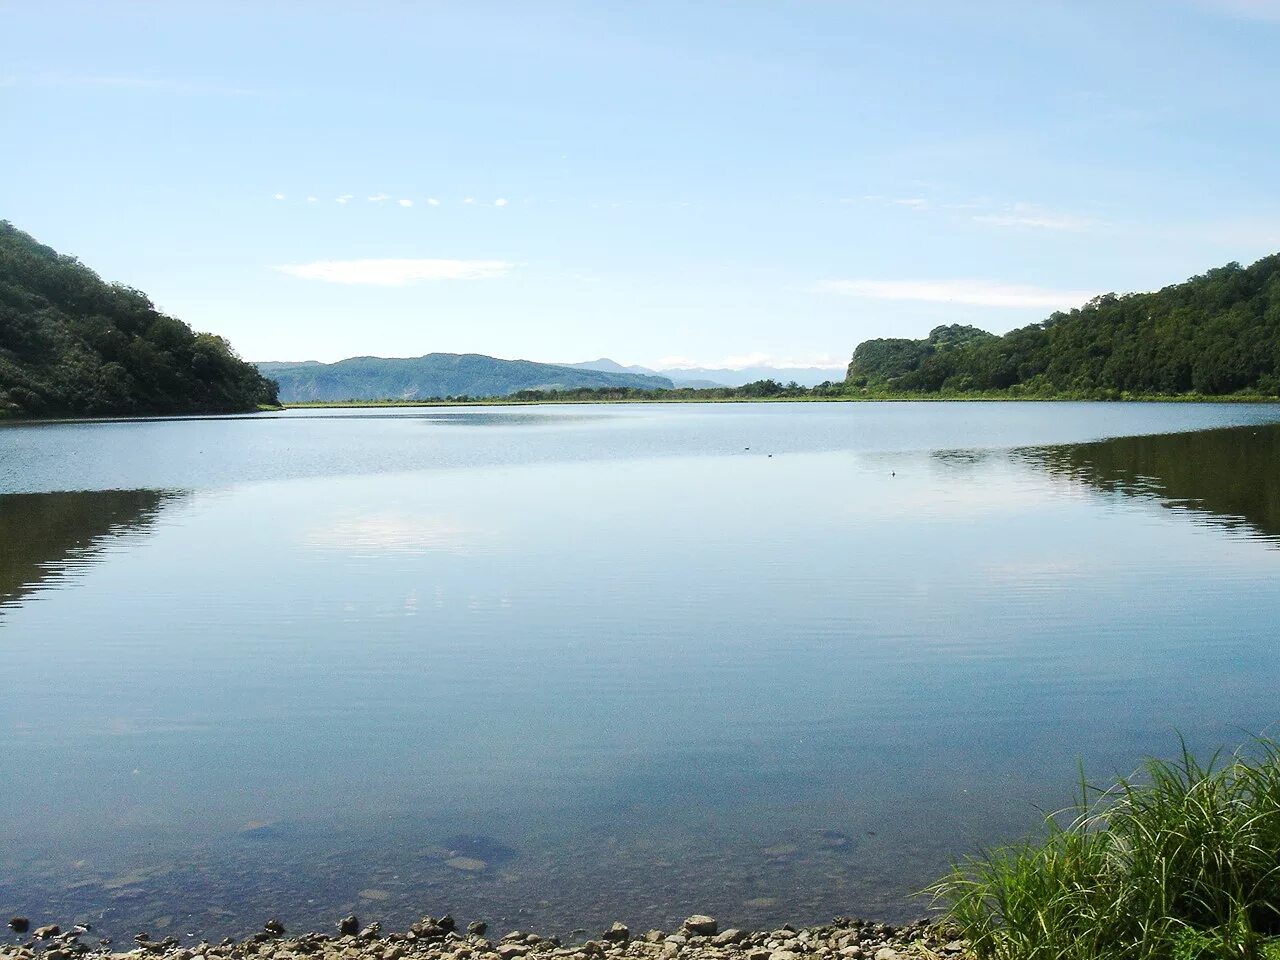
[687,182]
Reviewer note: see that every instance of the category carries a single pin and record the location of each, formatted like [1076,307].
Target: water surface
[559,666]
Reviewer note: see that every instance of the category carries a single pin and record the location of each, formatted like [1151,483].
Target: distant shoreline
[11,420]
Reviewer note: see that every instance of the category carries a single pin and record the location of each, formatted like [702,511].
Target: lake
[556,666]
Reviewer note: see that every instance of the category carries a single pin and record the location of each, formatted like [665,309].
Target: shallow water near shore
[560,666]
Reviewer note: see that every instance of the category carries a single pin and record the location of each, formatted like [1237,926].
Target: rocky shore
[699,938]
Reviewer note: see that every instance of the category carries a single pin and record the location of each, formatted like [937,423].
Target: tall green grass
[1181,862]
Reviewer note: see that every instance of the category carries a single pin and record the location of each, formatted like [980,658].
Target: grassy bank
[1182,863]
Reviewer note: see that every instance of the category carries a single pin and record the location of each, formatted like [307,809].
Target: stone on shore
[19,924]
[44,933]
[618,933]
[349,926]
[701,925]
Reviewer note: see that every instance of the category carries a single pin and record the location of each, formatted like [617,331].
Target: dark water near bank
[559,666]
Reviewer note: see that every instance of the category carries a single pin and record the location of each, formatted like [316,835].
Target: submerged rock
[349,926]
[19,924]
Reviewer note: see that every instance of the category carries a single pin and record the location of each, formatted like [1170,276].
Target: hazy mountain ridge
[704,377]
[436,376]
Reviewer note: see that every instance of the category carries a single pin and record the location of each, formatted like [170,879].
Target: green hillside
[73,345]
[438,375]
[1214,335]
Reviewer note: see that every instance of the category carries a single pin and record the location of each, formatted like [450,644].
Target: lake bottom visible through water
[552,690]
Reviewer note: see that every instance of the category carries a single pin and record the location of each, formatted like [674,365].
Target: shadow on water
[1229,478]
[45,535]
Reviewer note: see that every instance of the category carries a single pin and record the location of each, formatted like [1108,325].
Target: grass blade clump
[1181,863]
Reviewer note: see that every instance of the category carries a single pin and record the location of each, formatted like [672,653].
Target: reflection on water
[1228,477]
[47,535]
[770,665]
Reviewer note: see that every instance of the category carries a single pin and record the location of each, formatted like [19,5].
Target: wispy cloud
[396,273]
[1035,217]
[380,198]
[1253,9]
[1017,215]
[405,203]
[911,203]
[980,293]
[345,198]
[142,84]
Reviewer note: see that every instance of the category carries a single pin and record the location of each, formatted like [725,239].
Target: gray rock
[701,925]
[19,924]
[44,933]
[618,933]
[477,928]
[273,927]
[507,951]
[887,953]
[349,926]
[732,935]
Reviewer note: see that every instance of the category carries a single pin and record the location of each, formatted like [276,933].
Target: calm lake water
[558,666]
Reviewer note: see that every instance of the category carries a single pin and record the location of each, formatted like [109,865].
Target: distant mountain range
[438,375]
[701,377]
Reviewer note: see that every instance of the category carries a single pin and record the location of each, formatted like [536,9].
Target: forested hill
[73,345]
[1215,334]
[438,375]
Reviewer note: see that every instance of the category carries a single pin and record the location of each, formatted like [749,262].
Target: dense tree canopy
[1215,335]
[893,357]
[72,344]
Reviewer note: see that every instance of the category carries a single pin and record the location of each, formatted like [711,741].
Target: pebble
[696,939]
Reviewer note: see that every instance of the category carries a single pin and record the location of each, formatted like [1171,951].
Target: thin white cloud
[146,84]
[1029,215]
[345,198]
[1039,222]
[911,203]
[380,197]
[979,293]
[312,199]
[1018,215]
[469,200]
[500,202]
[278,196]
[433,202]
[1251,9]
[405,203]
[396,273]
